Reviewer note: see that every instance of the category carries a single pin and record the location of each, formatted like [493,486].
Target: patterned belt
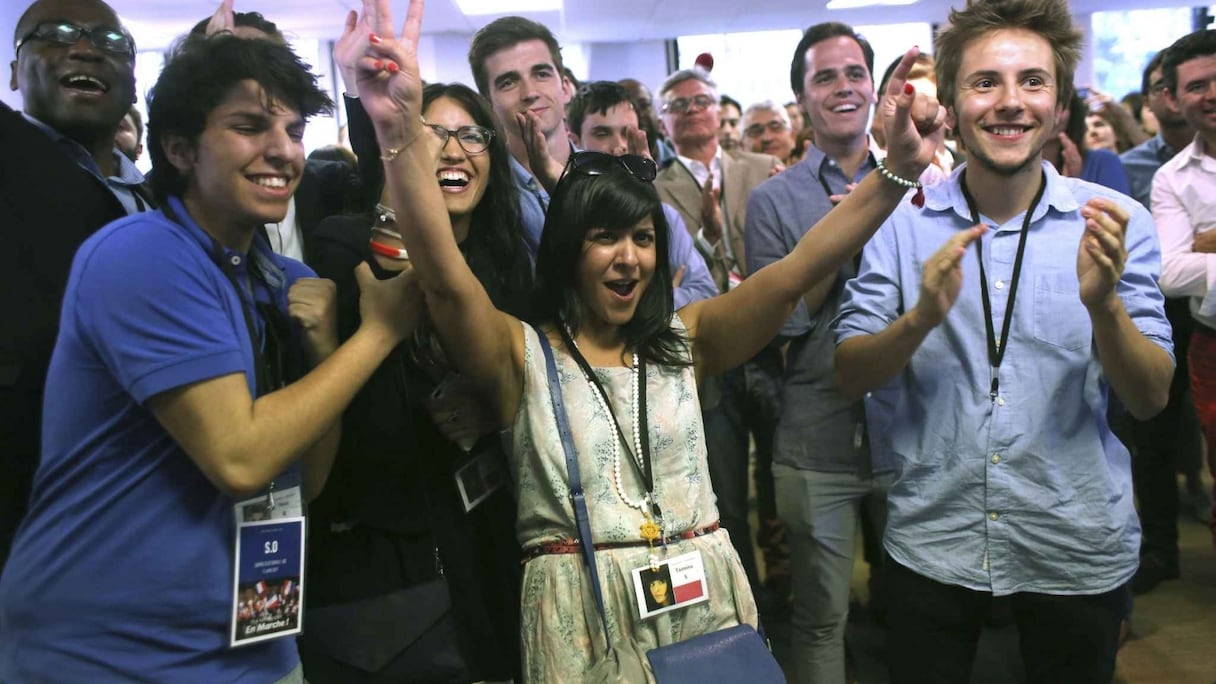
[572,545]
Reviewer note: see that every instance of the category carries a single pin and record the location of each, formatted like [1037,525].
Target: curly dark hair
[197,78]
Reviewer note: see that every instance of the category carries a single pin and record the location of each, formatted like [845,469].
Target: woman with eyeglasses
[392,517]
[628,367]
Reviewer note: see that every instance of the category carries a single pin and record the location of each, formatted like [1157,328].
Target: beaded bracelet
[919,198]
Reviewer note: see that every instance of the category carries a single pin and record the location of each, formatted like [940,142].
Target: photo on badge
[674,583]
[268,592]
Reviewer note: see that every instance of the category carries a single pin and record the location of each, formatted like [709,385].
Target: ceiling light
[476,7]
[856,4]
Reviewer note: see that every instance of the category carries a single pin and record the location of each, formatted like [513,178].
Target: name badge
[476,480]
[268,581]
[674,583]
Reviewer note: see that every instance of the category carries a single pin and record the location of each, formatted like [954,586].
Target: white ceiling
[580,21]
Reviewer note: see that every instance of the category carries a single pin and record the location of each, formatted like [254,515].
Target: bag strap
[581,516]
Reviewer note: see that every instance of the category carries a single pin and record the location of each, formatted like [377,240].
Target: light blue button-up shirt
[533,203]
[1030,491]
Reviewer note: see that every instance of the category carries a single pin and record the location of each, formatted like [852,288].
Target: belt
[572,545]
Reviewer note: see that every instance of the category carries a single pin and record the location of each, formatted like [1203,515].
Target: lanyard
[996,350]
[640,461]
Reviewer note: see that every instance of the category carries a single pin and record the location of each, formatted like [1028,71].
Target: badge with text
[268,593]
[674,583]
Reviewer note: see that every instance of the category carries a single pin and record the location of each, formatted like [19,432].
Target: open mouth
[453,178]
[85,84]
[622,288]
[1007,130]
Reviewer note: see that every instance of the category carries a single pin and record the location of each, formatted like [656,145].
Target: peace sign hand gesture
[389,82]
[915,123]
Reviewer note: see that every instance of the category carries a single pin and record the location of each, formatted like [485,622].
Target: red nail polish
[908,89]
[374,38]
[378,64]
[393,68]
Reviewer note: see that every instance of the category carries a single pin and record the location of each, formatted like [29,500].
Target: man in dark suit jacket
[60,181]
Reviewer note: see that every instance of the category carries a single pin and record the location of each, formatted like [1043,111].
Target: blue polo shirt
[123,569]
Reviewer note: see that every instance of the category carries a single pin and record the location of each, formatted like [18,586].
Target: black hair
[614,200]
[1198,44]
[1153,64]
[201,73]
[595,97]
[728,100]
[253,20]
[817,34]
[494,248]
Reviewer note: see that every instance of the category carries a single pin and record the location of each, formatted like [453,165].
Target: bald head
[82,89]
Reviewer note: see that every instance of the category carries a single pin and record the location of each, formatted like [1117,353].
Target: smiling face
[1006,104]
[246,163]
[608,132]
[523,78]
[79,90]
[613,271]
[1195,97]
[837,90]
[462,177]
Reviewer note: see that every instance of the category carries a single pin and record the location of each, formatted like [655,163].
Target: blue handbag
[727,656]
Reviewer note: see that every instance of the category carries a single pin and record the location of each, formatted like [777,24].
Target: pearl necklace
[637,504]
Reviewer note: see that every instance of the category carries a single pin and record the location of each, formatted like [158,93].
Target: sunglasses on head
[599,163]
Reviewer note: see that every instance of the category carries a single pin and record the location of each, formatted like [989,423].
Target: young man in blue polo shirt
[1005,344]
[195,391]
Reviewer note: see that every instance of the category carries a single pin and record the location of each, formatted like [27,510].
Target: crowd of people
[274,419]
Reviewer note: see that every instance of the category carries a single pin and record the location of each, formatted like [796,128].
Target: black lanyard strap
[641,462]
[996,350]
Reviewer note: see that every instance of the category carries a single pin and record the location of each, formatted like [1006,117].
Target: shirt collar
[948,195]
[128,173]
[260,253]
[714,164]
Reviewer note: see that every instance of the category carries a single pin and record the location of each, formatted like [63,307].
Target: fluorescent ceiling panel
[857,4]
[478,7]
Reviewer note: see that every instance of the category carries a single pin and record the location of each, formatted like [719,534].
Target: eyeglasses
[598,163]
[108,40]
[683,104]
[472,139]
[757,130]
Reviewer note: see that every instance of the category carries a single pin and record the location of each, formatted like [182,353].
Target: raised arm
[729,329]
[484,343]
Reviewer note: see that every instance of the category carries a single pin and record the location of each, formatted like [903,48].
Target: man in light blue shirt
[1009,480]
[517,65]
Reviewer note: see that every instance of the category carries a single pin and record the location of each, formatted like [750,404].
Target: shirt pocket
[1059,317]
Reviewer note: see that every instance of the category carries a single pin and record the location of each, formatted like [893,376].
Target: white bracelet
[900,181]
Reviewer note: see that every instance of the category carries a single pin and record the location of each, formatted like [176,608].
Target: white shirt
[1184,205]
[285,238]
